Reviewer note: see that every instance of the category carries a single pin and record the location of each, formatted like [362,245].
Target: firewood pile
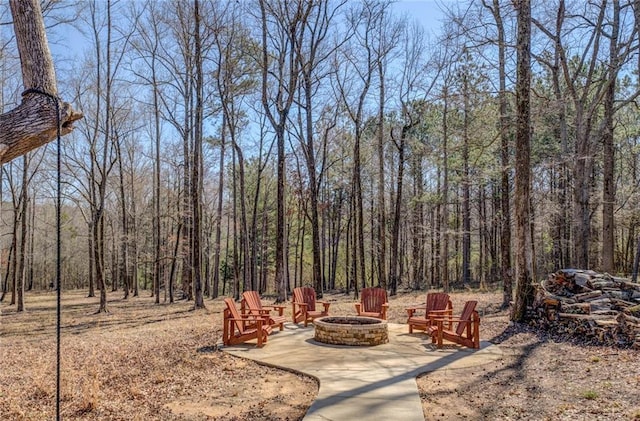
[589,306]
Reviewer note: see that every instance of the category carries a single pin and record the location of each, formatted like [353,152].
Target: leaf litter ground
[143,361]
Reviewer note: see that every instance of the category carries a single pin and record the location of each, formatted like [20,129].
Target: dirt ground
[143,361]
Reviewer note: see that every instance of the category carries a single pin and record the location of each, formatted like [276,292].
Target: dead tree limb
[34,122]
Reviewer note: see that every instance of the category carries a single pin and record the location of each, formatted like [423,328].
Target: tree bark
[277,106]
[395,271]
[444,222]
[196,180]
[505,211]
[466,181]
[524,289]
[218,219]
[608,188]
[382,217]
[24,205]
[33,123]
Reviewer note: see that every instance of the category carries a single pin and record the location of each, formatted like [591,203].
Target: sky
[67,43]
[427,12]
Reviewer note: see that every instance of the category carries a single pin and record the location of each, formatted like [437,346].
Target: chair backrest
[437,301]
[372,299]
[231,308]
[305,295]
[252,298]
[465,317]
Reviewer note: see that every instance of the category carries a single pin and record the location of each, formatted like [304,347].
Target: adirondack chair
[238,329]
[252,305]
[467,332]
[373,303]
[304,305]
[438,303]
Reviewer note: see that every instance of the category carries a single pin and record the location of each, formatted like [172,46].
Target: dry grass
[140,361]
[144,361]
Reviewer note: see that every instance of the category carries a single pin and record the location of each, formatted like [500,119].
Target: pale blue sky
[428,12]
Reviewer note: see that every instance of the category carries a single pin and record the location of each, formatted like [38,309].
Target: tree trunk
[22,270]
[98,221]
[243,259]
[359,261]
[466,182]
[418,231]
[562,221]
[123,262]
[524,289]
[91,265]
[394,267]
[187,205]
[218,220]
[33,123]
[444,224]
[608,188]
[291,18]
[157,242]
[313,190]
[187,229]
[505,211]
[196,180]
[30,260]
[382,218]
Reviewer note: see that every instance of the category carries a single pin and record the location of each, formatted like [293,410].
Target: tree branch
[34,122]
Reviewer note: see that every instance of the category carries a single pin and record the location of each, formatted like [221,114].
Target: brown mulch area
[144,361]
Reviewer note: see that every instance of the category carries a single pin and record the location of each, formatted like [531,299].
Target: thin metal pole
[636,261]
[58,265]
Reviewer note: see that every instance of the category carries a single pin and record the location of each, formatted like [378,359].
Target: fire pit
[351,330]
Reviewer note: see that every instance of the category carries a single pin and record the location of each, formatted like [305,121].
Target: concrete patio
[364,383]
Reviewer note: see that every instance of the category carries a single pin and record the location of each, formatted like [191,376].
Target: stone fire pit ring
[351,330]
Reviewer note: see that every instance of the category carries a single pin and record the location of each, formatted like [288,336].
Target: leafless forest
[265,144]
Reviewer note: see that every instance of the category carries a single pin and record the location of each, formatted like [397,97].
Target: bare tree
[283,26]
[505,208]
[524,272]
[147,45]
[312,56]
[414,89]
[356,64]
[386,38]
[196,176]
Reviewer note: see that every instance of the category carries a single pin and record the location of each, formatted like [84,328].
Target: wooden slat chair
[238,329]
[467,332]
[438,303]
[304,305]
[252,305]
[373,303]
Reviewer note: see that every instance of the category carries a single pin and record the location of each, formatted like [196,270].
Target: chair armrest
[258,310]
[325,304]
[417,307]
[440,313]
[411,310]
[247,319]
[278,308]
[383,311]
[448,320]
[358,307]
[447,311]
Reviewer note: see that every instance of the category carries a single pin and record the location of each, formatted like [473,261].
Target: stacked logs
[590,306]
